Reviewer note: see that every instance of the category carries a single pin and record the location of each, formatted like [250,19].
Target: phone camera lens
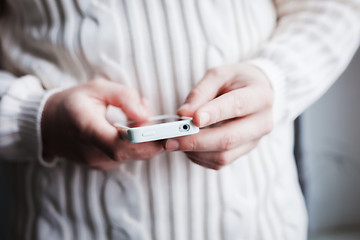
[185,128]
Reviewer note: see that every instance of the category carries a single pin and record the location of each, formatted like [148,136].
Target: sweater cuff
[31,99]
[45,97]
[277,80]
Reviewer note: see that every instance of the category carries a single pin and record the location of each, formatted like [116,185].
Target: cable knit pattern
[162,48]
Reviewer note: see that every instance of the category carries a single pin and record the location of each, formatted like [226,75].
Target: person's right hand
[74,126]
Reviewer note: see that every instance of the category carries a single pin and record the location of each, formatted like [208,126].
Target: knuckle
[268,127]
[100,167]
[193,159]
[217,167]
[195,93]
[239,105]
[108,166]
[149,154]
[228,142]
[92,163]
[190,145]
[221,159]
[97,83]
[87,158]
[213,72]
[138,152]
[120,156]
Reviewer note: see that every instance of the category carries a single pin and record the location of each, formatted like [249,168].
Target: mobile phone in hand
[157,128]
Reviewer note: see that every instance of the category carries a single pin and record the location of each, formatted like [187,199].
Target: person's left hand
[239,98]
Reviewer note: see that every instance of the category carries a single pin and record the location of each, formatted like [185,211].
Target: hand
[74,125]
[239,99]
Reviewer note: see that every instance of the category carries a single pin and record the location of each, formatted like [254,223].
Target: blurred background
[330,144]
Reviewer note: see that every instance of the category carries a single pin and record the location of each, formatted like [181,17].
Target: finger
[123,97]
[106,166]
[96,128]
[147,105]
[87,154]
[225,137]
[236,103]
[203,164]
[126,151]
[217,160]
[98,158]
[206,90]
[99,132]
[107,139]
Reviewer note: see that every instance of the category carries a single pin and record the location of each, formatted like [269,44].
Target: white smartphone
[157,128]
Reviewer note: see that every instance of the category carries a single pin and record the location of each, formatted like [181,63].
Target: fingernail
[204,118]
[172,145]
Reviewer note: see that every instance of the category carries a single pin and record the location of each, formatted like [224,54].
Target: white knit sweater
[162,48]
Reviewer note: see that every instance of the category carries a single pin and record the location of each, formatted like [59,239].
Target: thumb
[207,89]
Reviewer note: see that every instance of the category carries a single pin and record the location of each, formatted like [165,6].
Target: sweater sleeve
[21,104]
[312,44]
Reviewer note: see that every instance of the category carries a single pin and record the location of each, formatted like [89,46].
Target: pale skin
[236,98]
[74,125]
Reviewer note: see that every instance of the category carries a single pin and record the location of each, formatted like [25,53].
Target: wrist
[47,108]
[277,80]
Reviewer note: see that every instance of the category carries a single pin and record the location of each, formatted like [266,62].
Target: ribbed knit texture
[162,48]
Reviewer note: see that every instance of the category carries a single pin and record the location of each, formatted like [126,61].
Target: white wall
[331,140]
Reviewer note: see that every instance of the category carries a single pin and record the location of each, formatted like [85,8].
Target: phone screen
[153,121]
